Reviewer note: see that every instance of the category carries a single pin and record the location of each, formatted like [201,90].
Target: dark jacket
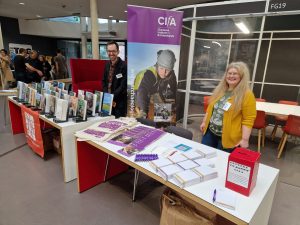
[118,87]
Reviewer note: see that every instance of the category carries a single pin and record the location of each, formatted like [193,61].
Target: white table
[276,109]
[67,130]
[253,210]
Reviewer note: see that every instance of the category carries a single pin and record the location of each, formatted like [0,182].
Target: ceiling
[53,8]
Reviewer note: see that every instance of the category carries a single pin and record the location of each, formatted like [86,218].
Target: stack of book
[205,172]
[187,164]
[167,172]
[187,178]
[177,157]
[205,162]
[192,155]
[207,152]
[161,162]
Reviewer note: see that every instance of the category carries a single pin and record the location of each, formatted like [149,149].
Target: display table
[67,130]
[94,168]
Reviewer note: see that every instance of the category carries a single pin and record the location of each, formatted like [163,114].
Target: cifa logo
[166,21]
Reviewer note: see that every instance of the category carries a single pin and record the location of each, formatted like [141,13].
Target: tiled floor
[32,191]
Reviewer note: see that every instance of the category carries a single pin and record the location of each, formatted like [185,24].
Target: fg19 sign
[283,5]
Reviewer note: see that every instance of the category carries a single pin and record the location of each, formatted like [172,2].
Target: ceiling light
[217,43]
[125,11]
[205,46]
[110,16]
[242,27]
[38,16]
[21,3]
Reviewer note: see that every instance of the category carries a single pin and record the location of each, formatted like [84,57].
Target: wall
[11,34]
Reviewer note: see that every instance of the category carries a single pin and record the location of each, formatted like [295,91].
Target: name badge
[119,75]
[226,106]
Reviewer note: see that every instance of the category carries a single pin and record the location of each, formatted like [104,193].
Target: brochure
[107,104]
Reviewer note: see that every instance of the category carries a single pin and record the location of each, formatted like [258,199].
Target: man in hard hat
[158,79]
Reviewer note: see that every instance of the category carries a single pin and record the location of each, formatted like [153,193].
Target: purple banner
[156,26]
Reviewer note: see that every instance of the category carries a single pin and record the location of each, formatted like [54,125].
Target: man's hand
[114,104]
[40,73]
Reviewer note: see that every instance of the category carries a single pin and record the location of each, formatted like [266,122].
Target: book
[204,162]
[167,172]
[38,99]
[187,164]
[73,104]
[192,155]
[187,178]
[19,90]
[81,94]
[33,97]
[162,112]
[71,93]
[206,172]
[52,103]
[47,103]
[91,102]
[81,109]
[177,157]
[99,101]
[92,134]
[160,163]
[107,104]
[61,109]
[61,85]
[207,152]
[55,83]
[224,198]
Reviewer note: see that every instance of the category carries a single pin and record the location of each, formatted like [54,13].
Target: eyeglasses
[112,51]
[232,74]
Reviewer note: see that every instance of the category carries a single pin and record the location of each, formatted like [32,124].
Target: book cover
[47,103]
[24,90]
[162,112]
[82,109]
[91,102]
[187,178]
[107,104]
[27,94]
[55,83]
[61,85]
[39,88]
[81,94]
[99,95]
[19,90]
[52,103]
[38,98]
[73,104]
[71,93]
[61,109]
[33,97]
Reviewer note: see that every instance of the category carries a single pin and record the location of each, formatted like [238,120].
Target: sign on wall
[154,37]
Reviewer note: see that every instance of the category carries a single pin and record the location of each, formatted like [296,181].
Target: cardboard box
[242,170]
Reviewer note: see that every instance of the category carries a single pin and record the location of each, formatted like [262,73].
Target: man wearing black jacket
[115,79]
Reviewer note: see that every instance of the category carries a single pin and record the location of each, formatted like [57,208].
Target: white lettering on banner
[167,21]
[30,126]
[132,101]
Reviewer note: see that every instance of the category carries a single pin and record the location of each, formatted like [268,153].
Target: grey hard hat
[166,59]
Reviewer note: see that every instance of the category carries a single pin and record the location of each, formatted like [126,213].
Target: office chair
[292,127]
[179,131]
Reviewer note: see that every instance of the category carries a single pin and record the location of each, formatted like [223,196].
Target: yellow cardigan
[233,121]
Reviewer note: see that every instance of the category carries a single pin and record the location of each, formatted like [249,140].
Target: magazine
[99,100]
[91,103]
[162,112]
[107,104]
[82,109]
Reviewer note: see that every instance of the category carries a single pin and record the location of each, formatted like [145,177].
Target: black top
[19,64]
[118,87]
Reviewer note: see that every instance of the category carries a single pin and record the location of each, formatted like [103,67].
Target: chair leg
[136,178]
[282,145]
[274,131]
[263,136]
[259,140]
[281,140]
[106,167]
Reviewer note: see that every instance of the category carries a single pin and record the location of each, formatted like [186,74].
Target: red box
[242,170]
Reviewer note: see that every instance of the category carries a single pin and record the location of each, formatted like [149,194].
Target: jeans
[215,141]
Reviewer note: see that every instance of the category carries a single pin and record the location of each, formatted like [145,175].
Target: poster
[154,37]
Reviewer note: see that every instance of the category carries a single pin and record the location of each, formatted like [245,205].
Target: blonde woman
[7,76]
[231,111]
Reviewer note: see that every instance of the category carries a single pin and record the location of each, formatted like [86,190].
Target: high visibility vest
[139,77]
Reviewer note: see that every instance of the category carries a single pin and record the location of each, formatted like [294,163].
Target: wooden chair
[292,127]
[279,119]
[260,124]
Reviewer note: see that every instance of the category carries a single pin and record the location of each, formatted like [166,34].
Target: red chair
[292,127]
[206,102]
[260,124]
[279,119]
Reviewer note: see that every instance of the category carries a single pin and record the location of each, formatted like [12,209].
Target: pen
[215,195]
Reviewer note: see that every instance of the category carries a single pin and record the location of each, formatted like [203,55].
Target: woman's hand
[243,144]
[202,126]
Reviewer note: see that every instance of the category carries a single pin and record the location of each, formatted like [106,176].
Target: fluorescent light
[217,43]
[125,11]
[242,27]
[21,3]
[38,16]
[205,46]
[110,16]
